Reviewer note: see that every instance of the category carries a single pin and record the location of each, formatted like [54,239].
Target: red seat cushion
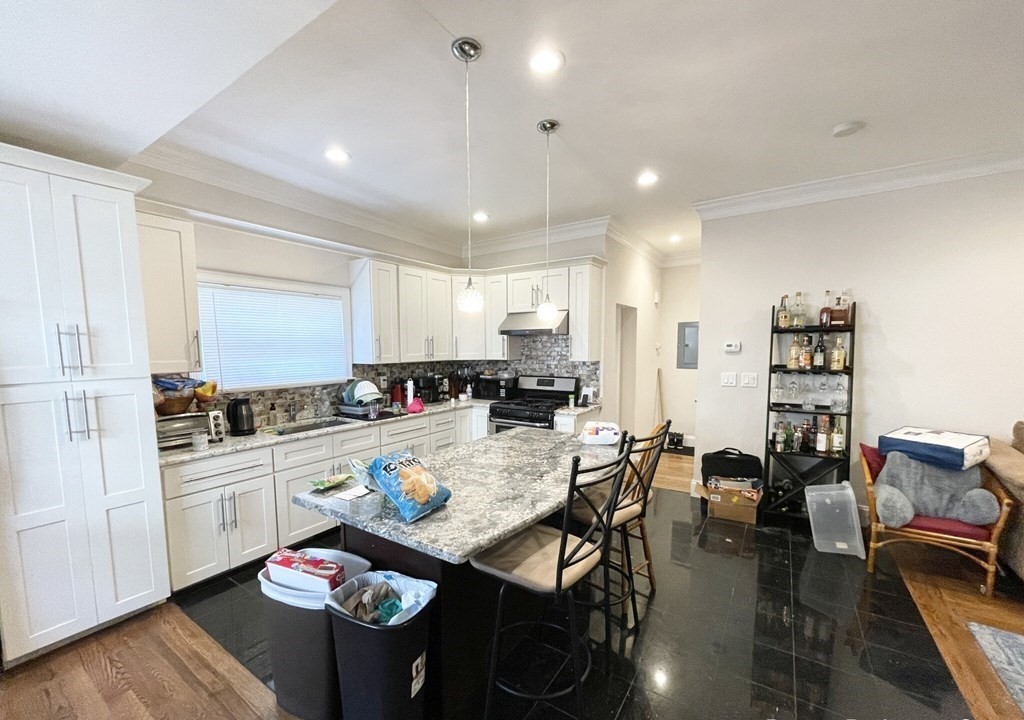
[875,459]
[949,527]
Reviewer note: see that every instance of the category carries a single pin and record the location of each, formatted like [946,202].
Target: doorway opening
[625,344]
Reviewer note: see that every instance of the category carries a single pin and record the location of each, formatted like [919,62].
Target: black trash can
[301,638]
[382,668]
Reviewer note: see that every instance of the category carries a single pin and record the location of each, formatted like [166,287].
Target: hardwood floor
[157,665]
[945,589]
[674,472]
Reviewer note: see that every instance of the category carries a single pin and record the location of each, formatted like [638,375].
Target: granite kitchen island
[500,484]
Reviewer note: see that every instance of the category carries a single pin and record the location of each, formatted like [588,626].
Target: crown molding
[625,236]
[54,165]
[866,183]
[691,257]
[190,164]
[596,227]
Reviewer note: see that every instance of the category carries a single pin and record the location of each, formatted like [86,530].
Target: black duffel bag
[731,463]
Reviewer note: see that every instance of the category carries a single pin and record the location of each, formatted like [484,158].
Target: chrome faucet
[291,412]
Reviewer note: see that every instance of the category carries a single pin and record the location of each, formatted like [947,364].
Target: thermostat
[733,347]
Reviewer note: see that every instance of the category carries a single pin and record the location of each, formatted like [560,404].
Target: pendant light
[469,299]
[547,311]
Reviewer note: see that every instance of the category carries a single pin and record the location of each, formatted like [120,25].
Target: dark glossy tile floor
[747,624]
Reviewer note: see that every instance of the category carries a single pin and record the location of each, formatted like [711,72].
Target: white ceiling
[719,98]
[100,81]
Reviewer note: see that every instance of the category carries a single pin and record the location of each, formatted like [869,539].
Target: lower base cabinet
[215,530]
[418,446]
[296,523]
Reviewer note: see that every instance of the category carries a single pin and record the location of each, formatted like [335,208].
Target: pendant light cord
[547,212]
[469,188]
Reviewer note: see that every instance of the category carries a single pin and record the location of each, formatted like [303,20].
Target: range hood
[527,323]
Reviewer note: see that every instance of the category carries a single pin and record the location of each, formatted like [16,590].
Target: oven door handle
[520,423]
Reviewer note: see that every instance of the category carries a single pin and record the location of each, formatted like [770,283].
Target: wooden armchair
[980,543]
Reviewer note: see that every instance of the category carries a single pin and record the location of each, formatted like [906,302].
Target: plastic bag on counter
[408,484]
[599,432]
[414,594]
[176,384]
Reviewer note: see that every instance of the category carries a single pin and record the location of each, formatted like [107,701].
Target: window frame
[255,282]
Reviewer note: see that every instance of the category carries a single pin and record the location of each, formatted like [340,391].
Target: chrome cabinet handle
[60,350]
[223,521]
[78,340]
[234,510]
[504,347]
[431,347]
[67,415]
[378,347]
[199,357]
[456,346]
[426,351]
[85,407]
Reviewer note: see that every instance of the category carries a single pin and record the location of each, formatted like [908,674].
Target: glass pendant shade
[547,311]
[469,299]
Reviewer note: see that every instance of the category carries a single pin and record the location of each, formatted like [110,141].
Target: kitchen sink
[312,425]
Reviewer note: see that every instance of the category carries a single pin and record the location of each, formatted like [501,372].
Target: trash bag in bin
[382,668]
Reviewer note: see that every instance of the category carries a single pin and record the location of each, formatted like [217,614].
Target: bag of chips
[410,486]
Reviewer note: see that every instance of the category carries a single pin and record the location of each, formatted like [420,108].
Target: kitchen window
[254,338]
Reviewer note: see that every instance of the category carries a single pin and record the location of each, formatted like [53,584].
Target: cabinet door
[439,316]
[555,284]
[33,314]
[584,313]
[295,523]
[101,279]
[469,330]
[384,285]
[46,587]
[252,520]
[479,423]
[463,426]
[440,441]
[356,442]
[495,310]
[522,291]
[420,446]
[121,483]
[303,452]
[167,249]
[197,537]
[412,315]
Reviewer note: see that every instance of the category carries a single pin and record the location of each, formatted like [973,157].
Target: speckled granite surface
[578,410]
[263,439]
[500,484]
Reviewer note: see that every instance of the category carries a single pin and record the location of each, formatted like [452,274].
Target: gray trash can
[302,653]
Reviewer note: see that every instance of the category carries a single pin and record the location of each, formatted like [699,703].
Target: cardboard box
[950,450]
[299,571]
[738,505]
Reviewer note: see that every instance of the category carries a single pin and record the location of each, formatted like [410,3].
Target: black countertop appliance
[426,388]
[240,417]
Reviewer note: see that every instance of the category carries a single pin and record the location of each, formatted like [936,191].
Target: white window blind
[254,338]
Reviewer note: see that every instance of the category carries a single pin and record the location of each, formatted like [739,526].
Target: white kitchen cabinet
[401,430]
[47,592]
[167,249]
[495,310]
[356,442]
[480,419]
[439,315]
[585,312]
[412,314]
[442,421]
[419,446]
[296,523]
[469,330]
[526,290]
[440,441]
[375,330]
[197,537]
[252,520]
[463,426]
[302,452]
[121,482]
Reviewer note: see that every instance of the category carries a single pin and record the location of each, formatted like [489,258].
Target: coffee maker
[426,388]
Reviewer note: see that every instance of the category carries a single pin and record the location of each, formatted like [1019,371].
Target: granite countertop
[500,484]
[577,410]
[262,439]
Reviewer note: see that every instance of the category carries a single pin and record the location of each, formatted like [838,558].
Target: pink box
[296,570]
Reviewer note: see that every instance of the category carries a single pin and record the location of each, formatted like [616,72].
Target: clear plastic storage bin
[835,521]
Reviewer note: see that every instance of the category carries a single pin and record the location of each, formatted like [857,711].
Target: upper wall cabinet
[167,248]
[72,318]
[439,315]
[374,312]
[425,314]
[526,290]
[585,317]
[469,330]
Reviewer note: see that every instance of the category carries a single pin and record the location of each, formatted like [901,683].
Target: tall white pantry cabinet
[81,515]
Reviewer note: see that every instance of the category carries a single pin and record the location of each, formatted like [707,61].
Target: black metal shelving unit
[799,468]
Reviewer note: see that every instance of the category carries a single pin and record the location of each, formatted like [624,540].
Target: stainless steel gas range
[536,400]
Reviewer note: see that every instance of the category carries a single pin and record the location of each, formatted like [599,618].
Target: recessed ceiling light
[675,238]
[547,61]
[481,217]
[848,128]
[336,155]
[646,178]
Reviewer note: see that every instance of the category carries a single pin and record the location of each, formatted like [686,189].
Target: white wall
[938,276]
[680,302]
[630,279]
[233,251]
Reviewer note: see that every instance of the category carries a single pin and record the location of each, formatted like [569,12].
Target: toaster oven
[176,430]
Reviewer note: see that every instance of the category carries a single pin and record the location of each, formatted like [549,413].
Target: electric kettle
[240,417]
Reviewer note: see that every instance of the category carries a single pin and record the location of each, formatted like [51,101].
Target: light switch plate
[728,379]
[749,380]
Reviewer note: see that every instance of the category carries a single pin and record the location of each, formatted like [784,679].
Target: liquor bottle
[839,313]
[825,314]
[780,437]
[790,438]
[822,441]
[818,362]
[838,439]
[838,359]
[805,436]
[782,316]
[793,361]
[814,432]
[799,313]
[806,354]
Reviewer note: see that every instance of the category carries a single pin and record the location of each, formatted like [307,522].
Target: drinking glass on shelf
[840,397]
[778,391]
[793,391]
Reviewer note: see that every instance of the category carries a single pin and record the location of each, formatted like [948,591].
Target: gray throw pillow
[978,507]
[893,507]
[934,492]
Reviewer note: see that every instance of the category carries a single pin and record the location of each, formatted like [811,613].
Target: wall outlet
[749,380]
[728,379]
